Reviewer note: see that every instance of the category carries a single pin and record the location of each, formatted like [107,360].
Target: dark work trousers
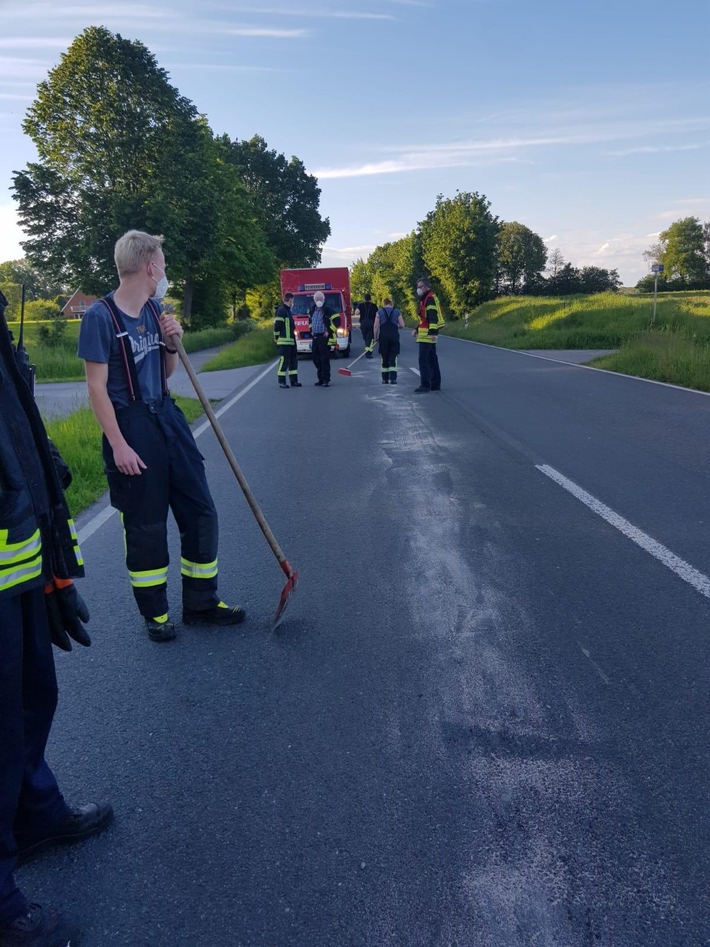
[288,363]
[321,357]
[429,374]
[367,329]
[389,350]
[174,479]
[30,801]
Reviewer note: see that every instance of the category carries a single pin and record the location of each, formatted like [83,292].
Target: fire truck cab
[334,283]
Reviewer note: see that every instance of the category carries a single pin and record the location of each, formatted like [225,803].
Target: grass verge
[676,348]
[60,362]
[78,437]
[254,348]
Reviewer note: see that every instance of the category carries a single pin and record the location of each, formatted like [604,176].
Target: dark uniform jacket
[37,535]
[284,327]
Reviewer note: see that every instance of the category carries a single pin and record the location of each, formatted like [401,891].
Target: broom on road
[291,574]
[346,371]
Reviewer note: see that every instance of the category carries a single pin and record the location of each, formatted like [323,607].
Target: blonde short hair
[134,249]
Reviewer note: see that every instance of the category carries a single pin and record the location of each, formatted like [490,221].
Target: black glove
[67,612]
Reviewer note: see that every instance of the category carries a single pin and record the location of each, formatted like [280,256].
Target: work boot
[385,380]
[393,379]
[319,384]
[160,628]
[368,355]
[282,384]
[39,927]
[217,614]
[296,384]
[80,823]
[420,390]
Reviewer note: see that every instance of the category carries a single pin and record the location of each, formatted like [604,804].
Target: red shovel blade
[288,591]
[344,371]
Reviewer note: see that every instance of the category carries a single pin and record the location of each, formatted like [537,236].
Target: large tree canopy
[459,245]
[522,256]
[286,200]
[119,148]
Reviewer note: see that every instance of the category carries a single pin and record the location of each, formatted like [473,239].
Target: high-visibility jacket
[431,318]
[284,327]
[37,535]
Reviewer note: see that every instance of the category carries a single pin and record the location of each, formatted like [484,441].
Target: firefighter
[285,338]
[39,605]
[368,313]
[431,319]
[388,322]
[151,459]
[323,323]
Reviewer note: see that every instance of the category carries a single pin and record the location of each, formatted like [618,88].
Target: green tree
[459,245]
[522,256]
[120,148]
[38,285]
[13,293]
[390,270]
[286,200]
[684,251]
[596,279]
[42,309]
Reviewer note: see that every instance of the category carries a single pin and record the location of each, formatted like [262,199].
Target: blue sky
[589,123]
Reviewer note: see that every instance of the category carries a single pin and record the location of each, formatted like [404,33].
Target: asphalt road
[485,720]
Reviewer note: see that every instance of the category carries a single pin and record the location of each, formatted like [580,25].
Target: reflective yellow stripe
[16,552]
[198,570]
[77,549]
[149,578]
[15,575]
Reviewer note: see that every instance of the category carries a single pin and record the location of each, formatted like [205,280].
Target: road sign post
[655,269]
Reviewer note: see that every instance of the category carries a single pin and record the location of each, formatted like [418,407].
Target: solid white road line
[96,522]
[669,559]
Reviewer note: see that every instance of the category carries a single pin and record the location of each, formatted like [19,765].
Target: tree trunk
[187,300]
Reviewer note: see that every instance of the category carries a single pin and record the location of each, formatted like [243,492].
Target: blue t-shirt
[98,343]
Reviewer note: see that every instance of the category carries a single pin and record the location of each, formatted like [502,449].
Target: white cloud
[267,32]
[34,42]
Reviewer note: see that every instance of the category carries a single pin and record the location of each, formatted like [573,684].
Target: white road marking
[682,569]
[594,664]
[96,522]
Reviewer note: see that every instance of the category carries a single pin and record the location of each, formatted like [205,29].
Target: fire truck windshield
[302,304]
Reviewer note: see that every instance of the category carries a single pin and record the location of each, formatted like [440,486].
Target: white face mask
[161,286]
[420,291]
[319,303]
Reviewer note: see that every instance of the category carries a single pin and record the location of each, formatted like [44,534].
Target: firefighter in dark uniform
[285,338]
[368,313]
[151,459]
[431,319]
[39,604]
[323,323]
[388,322]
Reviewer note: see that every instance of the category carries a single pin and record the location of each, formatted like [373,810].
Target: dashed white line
[682,569]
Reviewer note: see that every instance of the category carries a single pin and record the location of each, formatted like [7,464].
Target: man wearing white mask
[150,456]
[323,324]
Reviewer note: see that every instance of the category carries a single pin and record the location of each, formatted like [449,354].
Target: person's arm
[125,458]
[376,327]
[171,329]
[400,321]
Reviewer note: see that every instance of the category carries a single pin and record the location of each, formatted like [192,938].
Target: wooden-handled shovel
[291,574]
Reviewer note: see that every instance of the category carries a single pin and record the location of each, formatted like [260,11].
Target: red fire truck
[334,283]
